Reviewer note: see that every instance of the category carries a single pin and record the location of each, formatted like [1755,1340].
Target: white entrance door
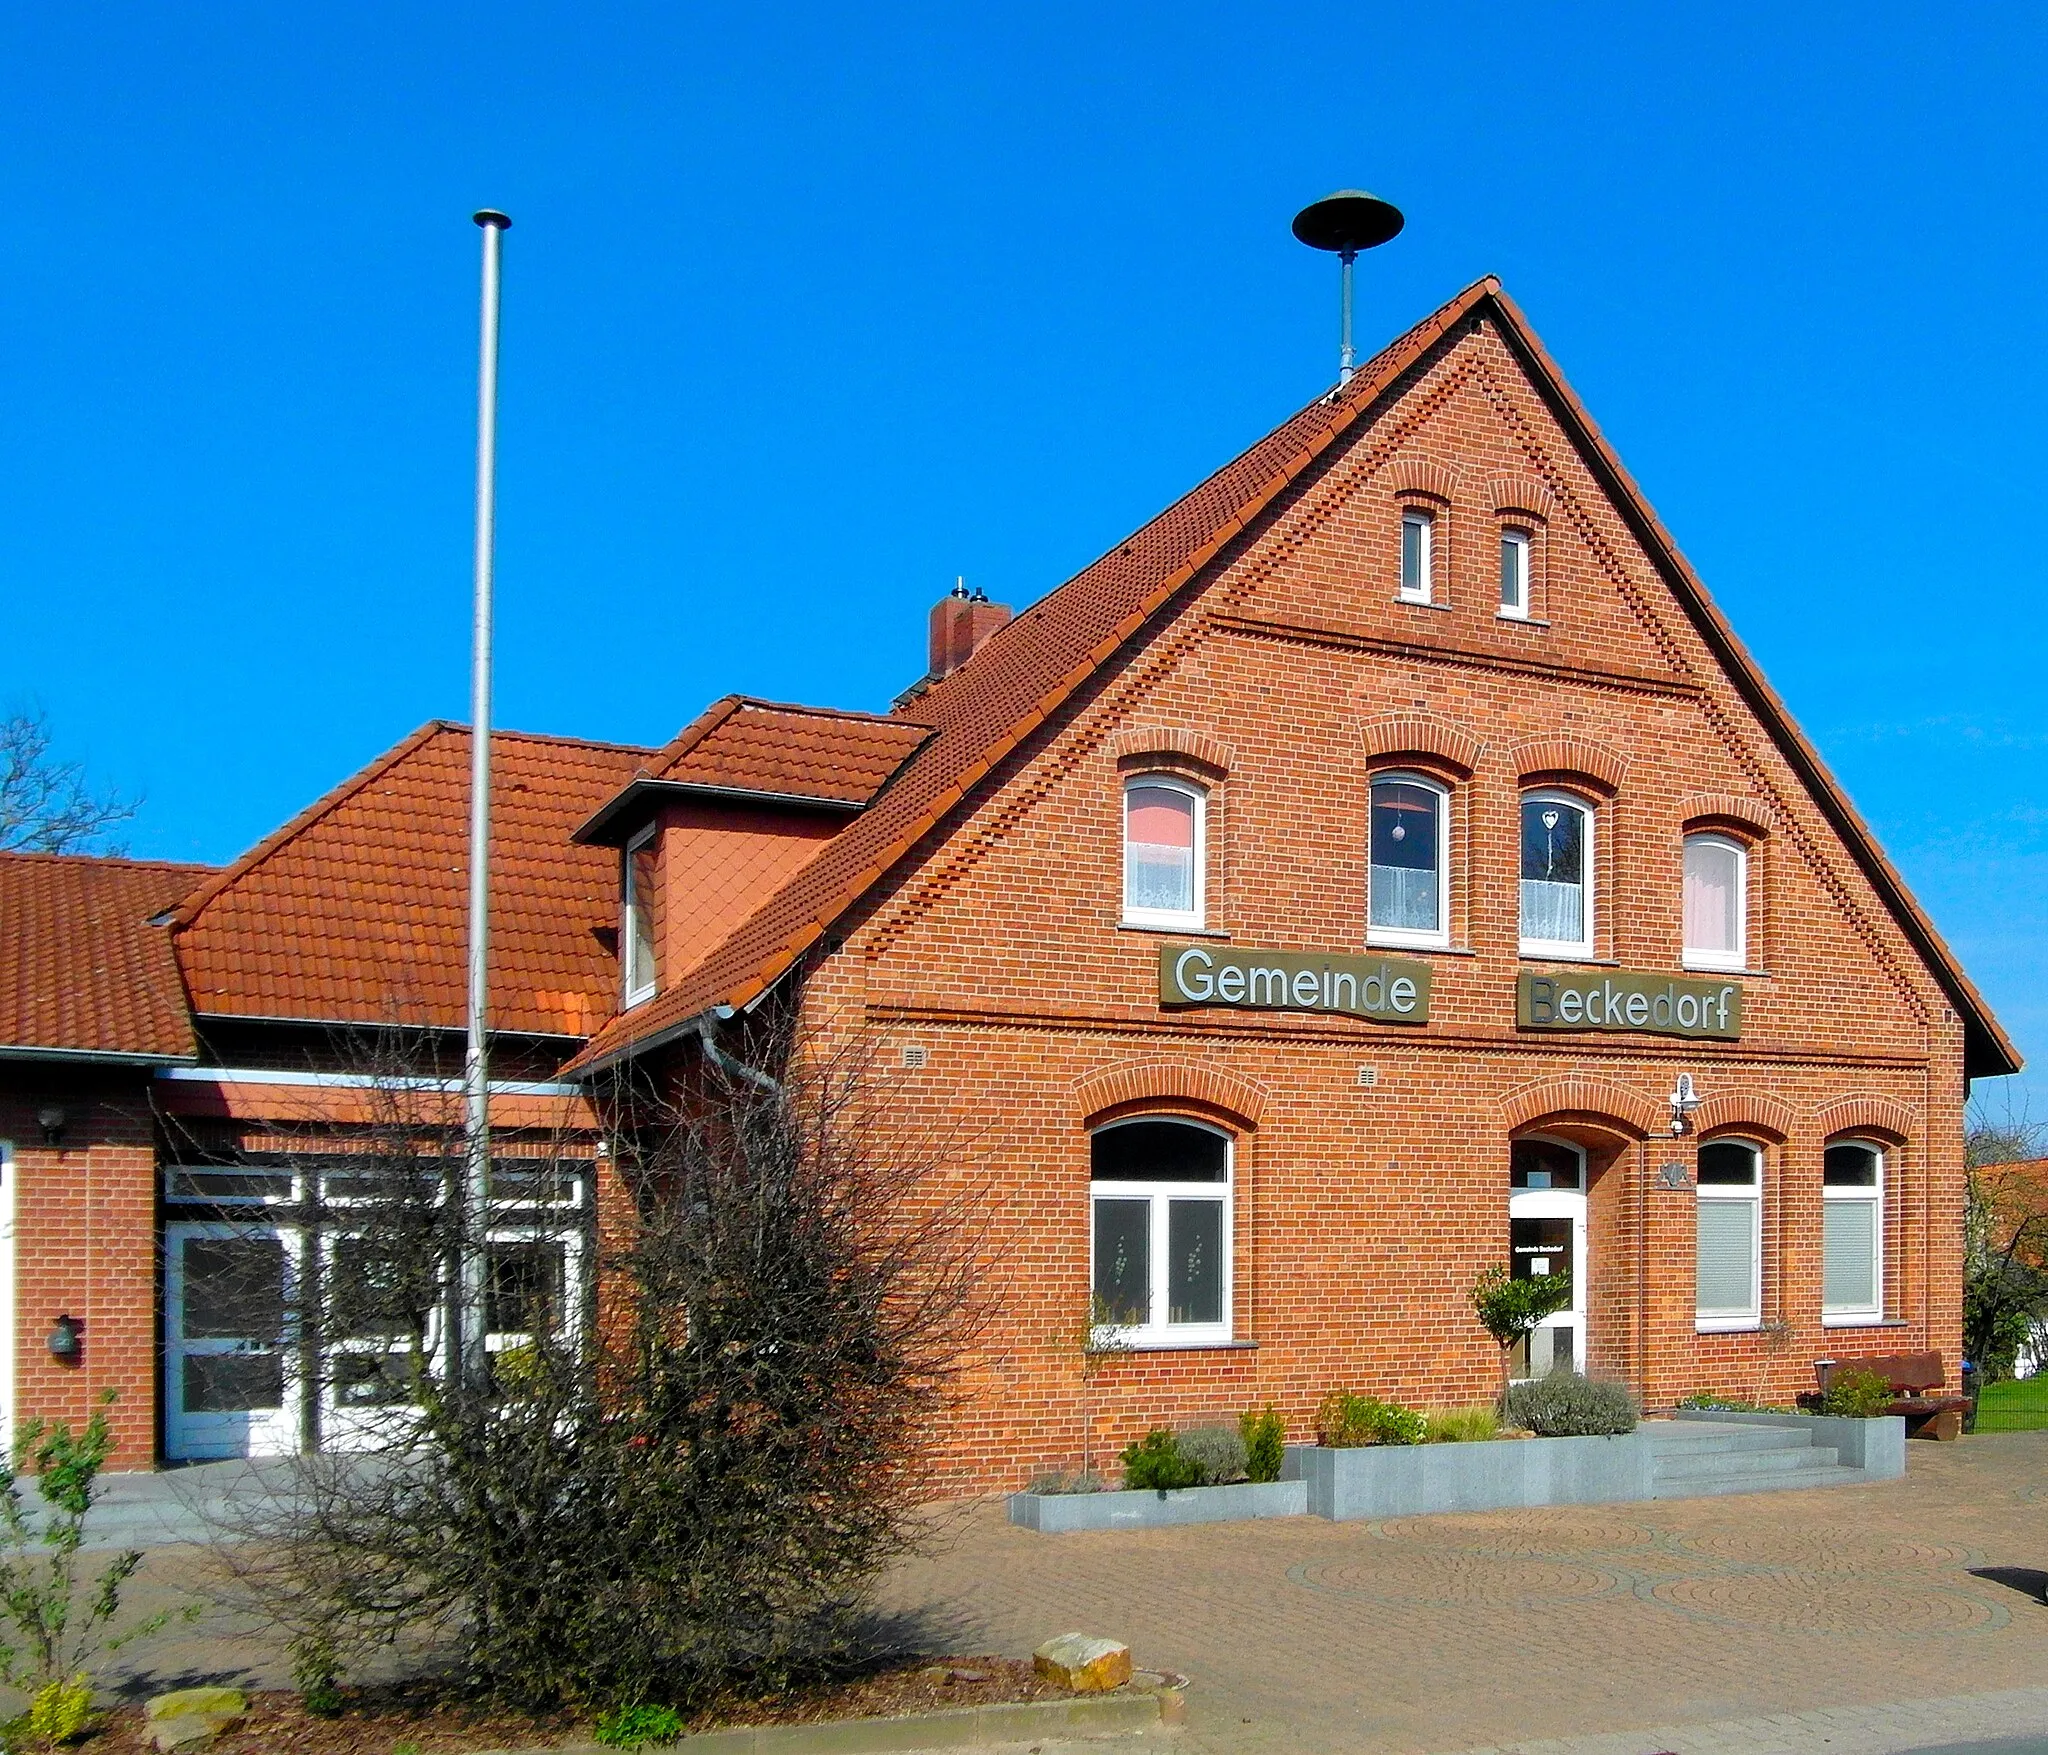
[230,1387]
[1547,1235]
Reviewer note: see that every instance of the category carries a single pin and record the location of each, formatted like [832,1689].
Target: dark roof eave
[619,816]
[92,1056]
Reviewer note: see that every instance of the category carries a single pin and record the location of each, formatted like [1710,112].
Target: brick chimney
[960,622]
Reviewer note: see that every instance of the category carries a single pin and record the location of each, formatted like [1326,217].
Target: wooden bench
[1914,1378]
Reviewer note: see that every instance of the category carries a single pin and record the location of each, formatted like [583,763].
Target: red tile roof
[356,910]
[745,745]
[1026,670]
[81,969]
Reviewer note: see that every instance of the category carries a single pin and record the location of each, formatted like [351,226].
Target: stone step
[1689,1440]
[1729,1464]
[1703,1487]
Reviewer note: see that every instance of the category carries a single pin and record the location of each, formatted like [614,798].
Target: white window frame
[637,992]
[1856,1315]
[1156,1332]
[1404,936]
[1522,543]
[1750,1317]
[1423,519]
[1692,956]
[1576,950]
[1168,918]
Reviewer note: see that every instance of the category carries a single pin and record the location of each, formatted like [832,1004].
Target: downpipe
[707,1033]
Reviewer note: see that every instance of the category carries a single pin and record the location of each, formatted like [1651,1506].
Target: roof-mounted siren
[1347,222]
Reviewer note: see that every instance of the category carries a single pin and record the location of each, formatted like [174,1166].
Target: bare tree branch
[45,804]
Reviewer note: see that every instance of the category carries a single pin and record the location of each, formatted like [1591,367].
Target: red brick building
[1384,864]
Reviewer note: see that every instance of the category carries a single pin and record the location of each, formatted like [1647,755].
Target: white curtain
[1554,913]
[1404,897]
[1713,919]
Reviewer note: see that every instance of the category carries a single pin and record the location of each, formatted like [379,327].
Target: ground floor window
[1160,1199]
[1728,1236]
[284,1323]
[1852,1234]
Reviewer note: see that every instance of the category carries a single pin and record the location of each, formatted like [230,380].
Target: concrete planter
[1406,1480]
[1150,1508]
[1877,1445]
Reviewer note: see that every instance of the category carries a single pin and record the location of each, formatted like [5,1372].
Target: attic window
[1418,543]
[640,923]
[1514,574]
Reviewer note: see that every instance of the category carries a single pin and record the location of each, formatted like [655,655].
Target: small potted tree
[1510,1309]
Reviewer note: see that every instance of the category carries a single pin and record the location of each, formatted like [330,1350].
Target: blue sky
[809,310]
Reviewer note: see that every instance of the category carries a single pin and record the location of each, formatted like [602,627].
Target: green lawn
[2014,1407]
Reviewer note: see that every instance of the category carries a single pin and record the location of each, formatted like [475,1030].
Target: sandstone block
[1083,1663]
[191,1715]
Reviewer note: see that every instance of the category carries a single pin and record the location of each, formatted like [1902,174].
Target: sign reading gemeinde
[1653,1005]
[1390,990]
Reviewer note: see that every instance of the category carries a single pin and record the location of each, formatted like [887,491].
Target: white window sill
[1862,1321]
[1727,1325]
[1152,1341]
[1520,621]
[1172,931]
[1546,954]
[1717,969]
[1445,950]
[1380,941]
[640,998]
[1421,602]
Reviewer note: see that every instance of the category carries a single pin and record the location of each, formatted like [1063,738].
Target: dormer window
[640,919]
[1418,557]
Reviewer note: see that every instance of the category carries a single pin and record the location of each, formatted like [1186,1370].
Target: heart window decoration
[1550,819]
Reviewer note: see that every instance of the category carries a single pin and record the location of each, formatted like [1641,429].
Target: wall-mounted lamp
[1683,1100]
[51,1119]
[65,1339]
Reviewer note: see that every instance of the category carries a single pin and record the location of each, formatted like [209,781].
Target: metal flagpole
[1347,361]
[467,1360]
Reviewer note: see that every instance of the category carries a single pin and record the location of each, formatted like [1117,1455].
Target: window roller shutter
[1727,1257]
[1848,1255]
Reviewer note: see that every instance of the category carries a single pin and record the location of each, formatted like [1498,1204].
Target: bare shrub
[683,1485]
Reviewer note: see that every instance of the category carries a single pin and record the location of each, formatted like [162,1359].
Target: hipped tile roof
[1028,669]
[356,911]
[82,970]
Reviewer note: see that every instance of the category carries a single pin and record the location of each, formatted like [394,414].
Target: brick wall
[1363,1214]
[85,1246]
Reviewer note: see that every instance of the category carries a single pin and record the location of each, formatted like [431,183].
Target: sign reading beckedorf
[1392,990]
[1653,1005]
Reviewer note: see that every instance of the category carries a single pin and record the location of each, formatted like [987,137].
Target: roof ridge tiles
[822,712]
[550,737]
[107,859]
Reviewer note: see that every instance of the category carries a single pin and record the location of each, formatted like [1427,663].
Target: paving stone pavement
[1837,1621]
[1709,1624]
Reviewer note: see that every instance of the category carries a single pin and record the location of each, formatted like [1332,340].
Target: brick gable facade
[1362,1213]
